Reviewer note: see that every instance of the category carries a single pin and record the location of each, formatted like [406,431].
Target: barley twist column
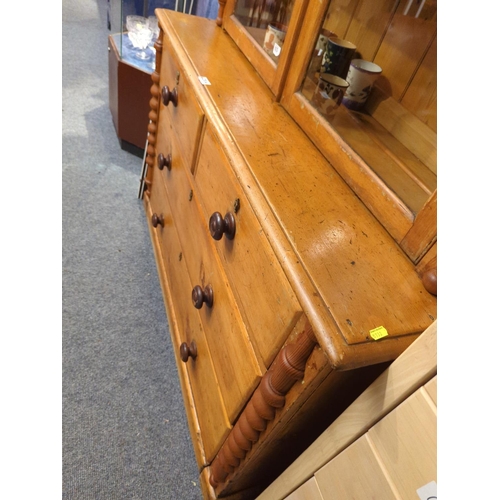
[288,368]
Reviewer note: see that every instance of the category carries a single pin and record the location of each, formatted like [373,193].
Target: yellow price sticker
[378,333]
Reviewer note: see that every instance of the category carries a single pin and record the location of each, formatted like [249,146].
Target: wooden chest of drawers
[276,277]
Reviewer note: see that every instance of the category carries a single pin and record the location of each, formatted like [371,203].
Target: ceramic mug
[361,77]
[319,50]
[329,93]
[337,57]
[274,40]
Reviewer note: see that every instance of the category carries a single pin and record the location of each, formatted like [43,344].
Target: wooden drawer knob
[188,350]
[169,96]
[219,226]
[429,279]
[200,296]
[164,161]
[157,220]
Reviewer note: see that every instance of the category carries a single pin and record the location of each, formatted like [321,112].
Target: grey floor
[124,430]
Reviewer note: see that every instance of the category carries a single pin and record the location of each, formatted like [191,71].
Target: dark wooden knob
[157,219]
[429,279]
[201,296]
[164,161]
[219,226]
[169,96]
[188,350]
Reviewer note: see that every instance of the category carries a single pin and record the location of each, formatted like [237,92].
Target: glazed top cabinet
[385,151]
[285,295]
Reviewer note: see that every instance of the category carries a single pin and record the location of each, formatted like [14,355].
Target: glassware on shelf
[140,34]
[153,26]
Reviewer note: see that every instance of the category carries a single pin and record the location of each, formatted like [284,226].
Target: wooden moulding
[288,368]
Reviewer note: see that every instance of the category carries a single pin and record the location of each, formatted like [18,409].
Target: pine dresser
[285,296]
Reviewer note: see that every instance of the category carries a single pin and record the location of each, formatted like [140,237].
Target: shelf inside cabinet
[399,167]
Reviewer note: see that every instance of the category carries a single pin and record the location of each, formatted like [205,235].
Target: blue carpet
[125,433]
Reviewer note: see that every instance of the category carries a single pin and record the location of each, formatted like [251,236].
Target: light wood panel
[308,491]
[355,474]
[406,442]
[431,388]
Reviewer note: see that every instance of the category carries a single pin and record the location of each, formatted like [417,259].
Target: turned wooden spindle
[286,370]
[154,104]
[220,13]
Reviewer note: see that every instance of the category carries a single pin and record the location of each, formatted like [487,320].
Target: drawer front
[268,305]
[234,360]
[211,415]
[186,119]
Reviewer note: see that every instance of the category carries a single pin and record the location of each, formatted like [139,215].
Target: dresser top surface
[348,273]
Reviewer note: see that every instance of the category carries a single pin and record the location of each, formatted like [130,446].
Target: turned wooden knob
[157,219]
[219,226]
[164,161]
[429,279]
[169,96]
[201,296]
[188,350]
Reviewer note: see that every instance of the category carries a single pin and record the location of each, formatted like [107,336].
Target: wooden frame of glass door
[273,74]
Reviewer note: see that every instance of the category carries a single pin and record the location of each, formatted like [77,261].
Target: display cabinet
[131,61]
[386,147]
[129,81]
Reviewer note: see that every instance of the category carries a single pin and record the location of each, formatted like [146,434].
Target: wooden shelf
[400,169]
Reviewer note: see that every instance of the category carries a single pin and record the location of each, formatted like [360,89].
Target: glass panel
[266,21]
[373,77]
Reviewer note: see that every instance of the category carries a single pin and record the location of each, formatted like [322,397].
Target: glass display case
[132,59]
[360,77]
[135,28]
[131,63]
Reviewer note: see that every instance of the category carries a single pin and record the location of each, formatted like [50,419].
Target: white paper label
[276,50]
[428,492]
[203,80]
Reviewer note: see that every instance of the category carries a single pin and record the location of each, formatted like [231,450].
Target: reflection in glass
[386,51]
[267,22]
